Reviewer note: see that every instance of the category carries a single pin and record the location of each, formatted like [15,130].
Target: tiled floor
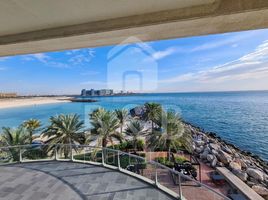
[71,181]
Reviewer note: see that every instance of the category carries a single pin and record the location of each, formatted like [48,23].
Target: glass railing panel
[81,153]
[192,189]
[9,155]
[64,151]
[168,179]
[150,171]
[179,183]
[137,165]
[110,157]
[199,193]
[37,152]
[87,154]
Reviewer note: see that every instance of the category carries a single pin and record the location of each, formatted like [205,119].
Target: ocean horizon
[238,117]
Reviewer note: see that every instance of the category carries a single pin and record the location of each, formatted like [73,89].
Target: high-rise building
[92,92]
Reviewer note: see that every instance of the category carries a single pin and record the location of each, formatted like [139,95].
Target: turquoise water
[238,117]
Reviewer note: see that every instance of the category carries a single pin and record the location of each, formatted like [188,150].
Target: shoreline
[31,101]
[215,136]
[215,152]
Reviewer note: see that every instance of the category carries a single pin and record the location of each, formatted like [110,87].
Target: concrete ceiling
[31,26]
[18,16]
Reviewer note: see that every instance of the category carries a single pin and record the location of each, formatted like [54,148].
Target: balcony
[87,172]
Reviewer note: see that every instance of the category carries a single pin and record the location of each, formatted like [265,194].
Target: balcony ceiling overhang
[32,26]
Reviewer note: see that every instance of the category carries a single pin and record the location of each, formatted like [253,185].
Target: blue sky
[222,62]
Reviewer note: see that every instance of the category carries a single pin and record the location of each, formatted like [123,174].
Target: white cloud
[227,41]
[41,57]
[3,58]
[76,57]
[80,56]
[234,45]
[162,54]
[47,60]
[251,66]
[89,73]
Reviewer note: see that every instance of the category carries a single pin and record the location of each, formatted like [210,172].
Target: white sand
[31,101]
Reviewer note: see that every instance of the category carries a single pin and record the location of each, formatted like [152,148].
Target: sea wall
[214,151]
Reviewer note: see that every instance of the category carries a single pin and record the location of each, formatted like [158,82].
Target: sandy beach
[30,101]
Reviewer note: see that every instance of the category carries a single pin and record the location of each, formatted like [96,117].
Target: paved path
[71,181]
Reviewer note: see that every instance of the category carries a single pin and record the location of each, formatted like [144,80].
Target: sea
[240,118]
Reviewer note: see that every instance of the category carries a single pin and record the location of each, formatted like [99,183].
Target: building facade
[8,95]
[92,92]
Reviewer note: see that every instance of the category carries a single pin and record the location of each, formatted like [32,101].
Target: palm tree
[104,124]
[122,117]
[14,137]
[31,125]
[170,133]
[135,129]
[153,111]
[65,129]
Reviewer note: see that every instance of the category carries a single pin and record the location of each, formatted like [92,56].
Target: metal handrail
[156,164]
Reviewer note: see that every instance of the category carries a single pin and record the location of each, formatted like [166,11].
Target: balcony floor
[71,181]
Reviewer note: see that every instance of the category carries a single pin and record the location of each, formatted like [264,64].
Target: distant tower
[92,92]
[83,92]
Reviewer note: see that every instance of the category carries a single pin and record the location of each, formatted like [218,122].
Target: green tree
[65,129]
[14,137]
[104,127]
[122,116]
[32,125]
[153,111]
[170,133]
[135,129]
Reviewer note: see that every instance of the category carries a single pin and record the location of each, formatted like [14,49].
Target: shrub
[165,161]
[125,146]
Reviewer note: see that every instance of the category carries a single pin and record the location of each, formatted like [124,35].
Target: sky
[222,62]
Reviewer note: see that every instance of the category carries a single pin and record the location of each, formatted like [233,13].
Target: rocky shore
[215,152]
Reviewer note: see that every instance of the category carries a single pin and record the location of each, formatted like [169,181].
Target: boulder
[199,149]
[210,157]
[207,149]
[199,143]
[261,190]
[226,149]
[253,180]
[212,140]
[248,163]
[224,157]
[243,164]
[220,164]
[235,165]
[214,152]
[214,162]
[214,146]
[236,155]
[138,111]
[205,138]
[250,183]
[256,174]
[203,155]
[240,174]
